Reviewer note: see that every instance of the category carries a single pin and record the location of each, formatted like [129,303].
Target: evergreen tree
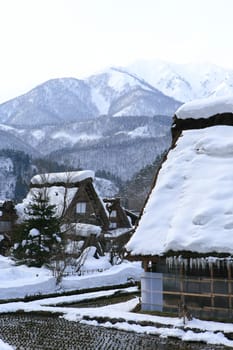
[38,238]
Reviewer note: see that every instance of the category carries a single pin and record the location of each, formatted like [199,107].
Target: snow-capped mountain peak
[185,82]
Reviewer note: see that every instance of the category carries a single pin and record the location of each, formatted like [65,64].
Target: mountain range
[185,82]
[117,120]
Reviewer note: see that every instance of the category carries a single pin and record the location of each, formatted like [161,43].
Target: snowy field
[120,317]
[5,346]
[19,281]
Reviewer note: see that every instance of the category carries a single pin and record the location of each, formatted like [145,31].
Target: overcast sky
[44,39]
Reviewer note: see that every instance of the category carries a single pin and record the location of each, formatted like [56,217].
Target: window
[81,207]
[5,226]
[113,225]
[113,214]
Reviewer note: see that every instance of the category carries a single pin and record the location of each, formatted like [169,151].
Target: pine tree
[38,238]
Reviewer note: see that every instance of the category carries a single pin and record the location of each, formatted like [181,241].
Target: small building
[83,213]
[117,215]
[184,236]
[7,220]
[74,196]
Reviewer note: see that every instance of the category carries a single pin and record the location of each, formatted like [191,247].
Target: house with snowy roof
[83,213]
[8,218]
[184,236]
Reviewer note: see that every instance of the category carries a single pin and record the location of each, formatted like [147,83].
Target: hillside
[123,147]
[66,100]
[98,123]
[17,168]
[135,191]
[116,121]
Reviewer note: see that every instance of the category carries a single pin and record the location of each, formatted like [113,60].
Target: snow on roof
[84,230]
[191,206]
[117,232]
[58,195]
[67,177]
[205,108]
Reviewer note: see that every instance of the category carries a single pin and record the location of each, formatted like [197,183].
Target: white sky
[43,39]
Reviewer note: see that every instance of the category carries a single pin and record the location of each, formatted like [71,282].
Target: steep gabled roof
[70,177]
[190,207]
[60,188]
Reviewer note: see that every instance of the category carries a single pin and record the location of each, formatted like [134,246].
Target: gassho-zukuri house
[184,236]
[83,213]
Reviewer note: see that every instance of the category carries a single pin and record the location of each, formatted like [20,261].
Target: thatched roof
[67,178]
[60,189]
[190,207]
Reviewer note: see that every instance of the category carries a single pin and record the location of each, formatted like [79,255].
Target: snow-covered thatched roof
[205,108]
[70,177]
[58,195]
[190,207]
[59,187]
[83,230]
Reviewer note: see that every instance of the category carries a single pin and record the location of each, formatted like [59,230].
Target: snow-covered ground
[195,330]
[19,281]
[5,346]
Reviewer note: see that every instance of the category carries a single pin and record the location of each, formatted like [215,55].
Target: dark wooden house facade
[74,196]
[7,221]
[78,204]
[117,215]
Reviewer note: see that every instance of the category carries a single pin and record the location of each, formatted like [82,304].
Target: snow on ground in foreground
[195,330]
[21,281]
[5,346]
[26,280]
[118,274]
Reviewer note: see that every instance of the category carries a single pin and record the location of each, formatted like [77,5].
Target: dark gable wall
[201,123]
[95,213]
